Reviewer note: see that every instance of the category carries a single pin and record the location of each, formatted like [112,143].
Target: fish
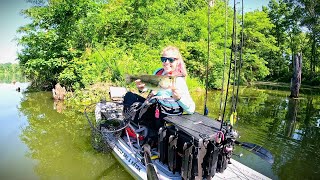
[154,82]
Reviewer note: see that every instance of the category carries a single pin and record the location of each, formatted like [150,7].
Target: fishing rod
[206,111]
[230,65]
[224,57]
[241,53]
[235,50]
[254,148]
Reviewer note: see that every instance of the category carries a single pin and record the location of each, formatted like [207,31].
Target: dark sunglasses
[171,60]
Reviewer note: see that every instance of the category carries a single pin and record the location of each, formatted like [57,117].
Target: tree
[258,45]
[84,42]
[52,40]
[310,18]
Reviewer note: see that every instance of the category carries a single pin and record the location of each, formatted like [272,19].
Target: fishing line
[92,44]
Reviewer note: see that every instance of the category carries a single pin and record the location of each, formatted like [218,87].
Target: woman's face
[167,65]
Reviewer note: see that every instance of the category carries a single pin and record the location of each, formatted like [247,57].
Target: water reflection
[291,119]
[287,127]
[58,106]
[60,142]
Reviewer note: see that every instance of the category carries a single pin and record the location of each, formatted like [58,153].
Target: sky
[250,5]
[11,20]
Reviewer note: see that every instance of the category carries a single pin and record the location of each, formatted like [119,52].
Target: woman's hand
[139,84]
[175,94]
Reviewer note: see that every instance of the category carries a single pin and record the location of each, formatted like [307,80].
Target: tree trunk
[296,80]
[314,50]
[313,54]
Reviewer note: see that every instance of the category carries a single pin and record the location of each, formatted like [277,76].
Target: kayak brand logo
[133,162]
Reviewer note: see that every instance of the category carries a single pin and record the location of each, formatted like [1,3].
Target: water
[289,129]
[14,164]
[41,140]
[37,142]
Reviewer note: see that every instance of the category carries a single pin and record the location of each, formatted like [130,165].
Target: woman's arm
[185,100]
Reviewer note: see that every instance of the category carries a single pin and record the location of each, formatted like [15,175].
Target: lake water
[37,142]
[41,140]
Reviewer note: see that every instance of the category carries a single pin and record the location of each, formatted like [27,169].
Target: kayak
[180,147]
[187,147]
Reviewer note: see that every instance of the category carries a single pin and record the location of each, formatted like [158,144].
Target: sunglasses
[171,60]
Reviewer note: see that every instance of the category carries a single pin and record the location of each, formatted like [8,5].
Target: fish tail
[128,79]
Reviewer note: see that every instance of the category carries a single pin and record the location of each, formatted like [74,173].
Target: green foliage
[296,31]
[8,68]
[102,42]
[258,44]
[43,71]
[85,42]
[11,72]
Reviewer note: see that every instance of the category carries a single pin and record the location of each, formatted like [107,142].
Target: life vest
[159,72]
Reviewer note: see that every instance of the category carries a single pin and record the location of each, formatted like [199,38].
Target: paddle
[258,150]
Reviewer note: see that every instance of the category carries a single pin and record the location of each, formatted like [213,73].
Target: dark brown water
[38,142]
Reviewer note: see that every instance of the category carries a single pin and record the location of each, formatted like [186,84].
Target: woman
[173,65]
[172,100]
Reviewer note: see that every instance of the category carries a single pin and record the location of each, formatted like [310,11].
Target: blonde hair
[181,67]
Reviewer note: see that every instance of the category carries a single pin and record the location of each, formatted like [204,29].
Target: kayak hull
[132,161]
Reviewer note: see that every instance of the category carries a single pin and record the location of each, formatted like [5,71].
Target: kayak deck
[236,170]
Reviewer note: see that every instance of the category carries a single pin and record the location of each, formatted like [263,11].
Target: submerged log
[59,92]
[296,80]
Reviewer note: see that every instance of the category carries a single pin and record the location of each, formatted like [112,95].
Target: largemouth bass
[153,82]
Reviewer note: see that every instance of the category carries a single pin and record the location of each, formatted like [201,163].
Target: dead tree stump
[59,92]
[296,79]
